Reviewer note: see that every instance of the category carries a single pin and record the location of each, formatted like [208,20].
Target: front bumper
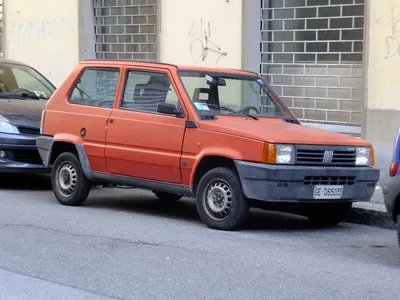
[277,183]
[21,154]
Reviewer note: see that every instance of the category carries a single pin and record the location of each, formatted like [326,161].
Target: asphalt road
[127,245]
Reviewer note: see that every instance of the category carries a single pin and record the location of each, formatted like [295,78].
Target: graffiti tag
[201,46]
[39,30]
[392,41]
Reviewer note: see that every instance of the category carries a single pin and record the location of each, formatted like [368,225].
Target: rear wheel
[220,201]
[70,186]
[328,214]
[167,197]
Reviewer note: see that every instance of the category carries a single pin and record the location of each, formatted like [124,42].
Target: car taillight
[394,167]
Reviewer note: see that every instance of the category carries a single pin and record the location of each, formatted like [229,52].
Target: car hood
[275,130]
[22,112]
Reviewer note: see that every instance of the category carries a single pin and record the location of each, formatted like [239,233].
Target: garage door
[311,53]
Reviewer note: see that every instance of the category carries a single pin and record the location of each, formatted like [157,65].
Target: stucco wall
[382,117]
[383,54]
[189,27]
[44,34]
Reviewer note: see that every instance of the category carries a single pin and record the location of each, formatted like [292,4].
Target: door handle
[111,120]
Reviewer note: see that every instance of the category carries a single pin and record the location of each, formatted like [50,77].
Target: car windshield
[23,82]
[220,93]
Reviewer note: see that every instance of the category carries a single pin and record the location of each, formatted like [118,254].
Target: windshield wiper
[22,96]
[232,111]
[251,116]
[10,96]
[291,119]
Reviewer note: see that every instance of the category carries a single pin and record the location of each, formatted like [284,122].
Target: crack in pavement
[111,242]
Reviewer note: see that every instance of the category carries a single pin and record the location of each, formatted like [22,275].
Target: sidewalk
[371,213]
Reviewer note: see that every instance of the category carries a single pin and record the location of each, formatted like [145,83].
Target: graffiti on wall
[38,30]
[202,46]
[392,40]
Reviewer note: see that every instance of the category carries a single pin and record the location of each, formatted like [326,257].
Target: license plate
[328,191]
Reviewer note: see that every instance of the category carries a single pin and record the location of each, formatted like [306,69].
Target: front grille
[329,180]
[29,130]
[328,156]
[27,156]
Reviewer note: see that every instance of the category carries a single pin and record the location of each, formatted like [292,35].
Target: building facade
[1,28]
[334,62]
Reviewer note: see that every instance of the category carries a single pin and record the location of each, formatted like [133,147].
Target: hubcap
[218,200]
[67,179]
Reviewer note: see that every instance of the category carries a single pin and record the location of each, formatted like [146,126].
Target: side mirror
[167,108]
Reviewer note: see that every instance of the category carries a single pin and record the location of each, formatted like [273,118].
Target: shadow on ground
[371,218]
[138,201]
[25,182]
[185,210]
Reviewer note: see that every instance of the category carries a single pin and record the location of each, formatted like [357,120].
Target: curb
[377,197]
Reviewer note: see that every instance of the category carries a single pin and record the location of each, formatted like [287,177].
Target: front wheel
[328,214]
[220,201]
[70,186]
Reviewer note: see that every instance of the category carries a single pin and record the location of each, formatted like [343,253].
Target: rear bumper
[391,193]
[21,156]
[296,183]
[44,145]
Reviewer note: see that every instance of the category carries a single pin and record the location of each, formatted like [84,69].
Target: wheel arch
[62,146]
[207,163]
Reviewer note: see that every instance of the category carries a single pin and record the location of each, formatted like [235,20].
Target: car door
[141,142]
[91,102]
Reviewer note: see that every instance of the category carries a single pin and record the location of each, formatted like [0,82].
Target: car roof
[160,64]
[10,61]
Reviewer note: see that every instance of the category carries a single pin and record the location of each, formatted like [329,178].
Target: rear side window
[96,87]
[145,89]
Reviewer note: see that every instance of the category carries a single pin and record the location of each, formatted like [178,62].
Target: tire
[224,183]
[328,214]
[66,192]
[167,197]
[398,232]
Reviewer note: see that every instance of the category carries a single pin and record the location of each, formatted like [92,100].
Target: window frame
[82,71]
[153,71]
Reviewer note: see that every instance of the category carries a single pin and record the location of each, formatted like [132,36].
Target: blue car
[391,191]
[23,97]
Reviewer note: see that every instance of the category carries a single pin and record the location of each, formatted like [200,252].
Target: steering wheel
[248,108]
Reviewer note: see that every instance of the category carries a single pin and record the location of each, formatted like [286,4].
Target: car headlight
[7,127]
[278,154]
[284,154]
[365,156]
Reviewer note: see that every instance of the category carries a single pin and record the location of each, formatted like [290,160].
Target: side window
[96,87]
[144,90]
